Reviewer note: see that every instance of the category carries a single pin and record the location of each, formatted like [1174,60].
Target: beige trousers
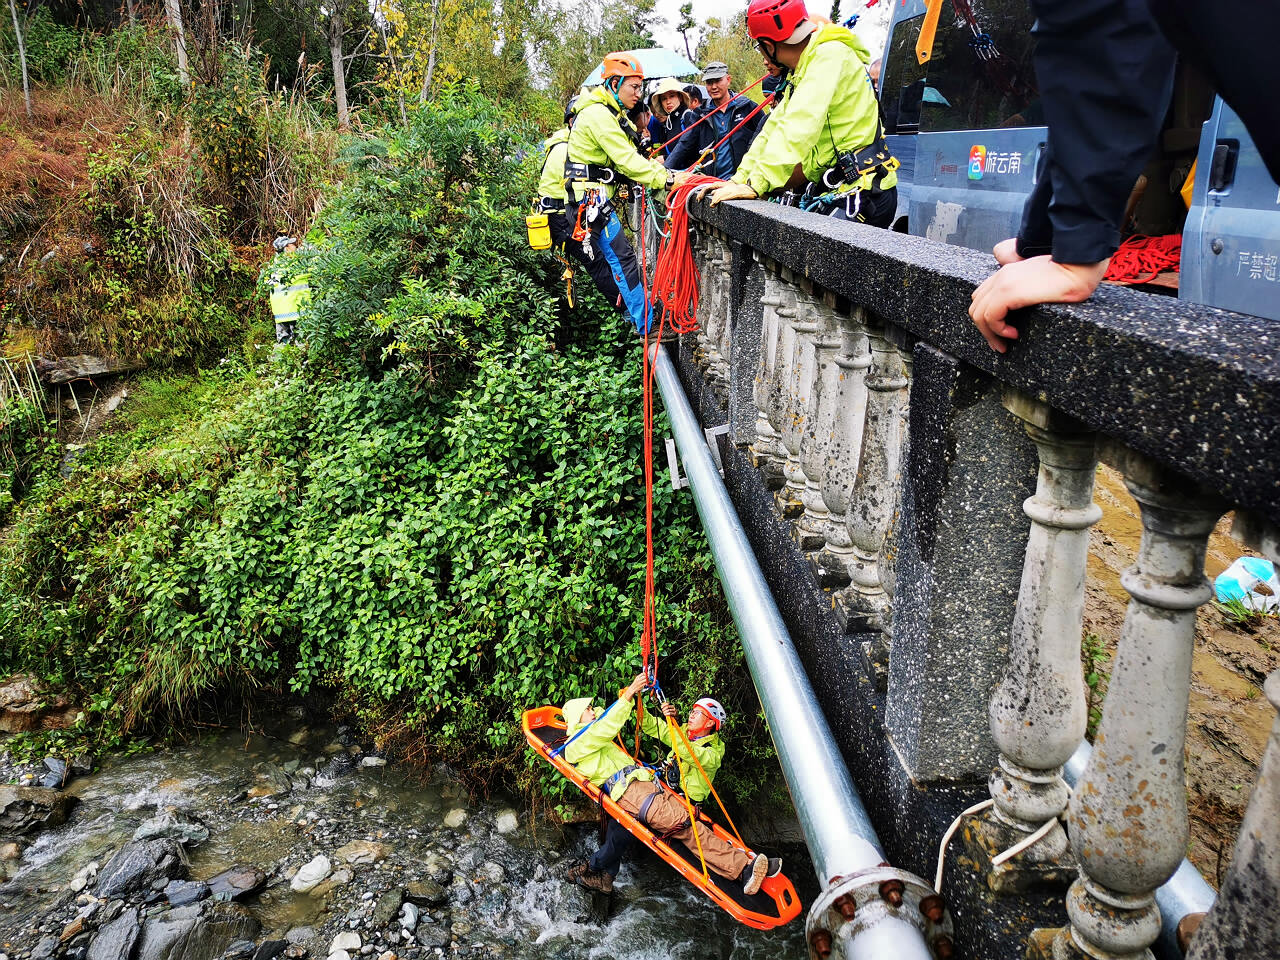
[666,812]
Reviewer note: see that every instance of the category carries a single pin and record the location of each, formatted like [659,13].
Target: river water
[311,793]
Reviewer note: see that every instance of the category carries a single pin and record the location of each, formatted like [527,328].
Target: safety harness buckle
[592,172]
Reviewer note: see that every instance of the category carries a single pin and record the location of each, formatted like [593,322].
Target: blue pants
[615,269]
[617,841]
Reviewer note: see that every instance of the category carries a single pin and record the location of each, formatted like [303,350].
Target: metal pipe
[837,828]
[1183,893]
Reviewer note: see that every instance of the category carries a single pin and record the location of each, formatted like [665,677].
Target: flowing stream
[493,870]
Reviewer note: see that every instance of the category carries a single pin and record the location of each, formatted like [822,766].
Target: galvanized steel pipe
[837,829]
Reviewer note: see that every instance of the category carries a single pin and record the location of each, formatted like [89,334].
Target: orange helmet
[621,65]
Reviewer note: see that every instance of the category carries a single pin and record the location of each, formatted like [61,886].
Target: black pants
[617,842]
[561,225]
[873,207]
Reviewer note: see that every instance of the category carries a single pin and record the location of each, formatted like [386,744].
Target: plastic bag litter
[1252,581]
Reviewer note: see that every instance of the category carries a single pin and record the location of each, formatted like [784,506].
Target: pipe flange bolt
[856,909]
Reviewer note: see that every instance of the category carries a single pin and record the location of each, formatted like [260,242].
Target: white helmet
[713,709]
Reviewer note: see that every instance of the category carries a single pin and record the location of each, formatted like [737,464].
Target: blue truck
[969,130]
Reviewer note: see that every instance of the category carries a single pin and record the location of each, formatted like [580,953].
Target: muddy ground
[1229,717]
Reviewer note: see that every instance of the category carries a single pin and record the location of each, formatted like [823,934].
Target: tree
[728,42]
[22,56]
[687,23]
[339,67]
[173,13]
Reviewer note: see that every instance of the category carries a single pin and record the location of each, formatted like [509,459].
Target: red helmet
[621,65]
[775,20]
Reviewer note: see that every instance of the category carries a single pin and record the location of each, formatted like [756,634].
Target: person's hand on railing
[679,178]
[1024,283]
[731,191]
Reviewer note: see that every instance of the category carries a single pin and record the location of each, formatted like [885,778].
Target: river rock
[362,851]
[45,949]
[179,893]
[10,851]
[426,893]
[195,932]
[270,949]
[455,818]
[491,872]
[173,824]
[372,761]
[271,780]
[237,883]
[339,955]
[347,940]
[26,705]
[26,810]
[409,915]
[240,950]
[385,910]
[310,874]
[508,822]
[138,864]
[575,905]
[57,775]
[299,934]
[115,940]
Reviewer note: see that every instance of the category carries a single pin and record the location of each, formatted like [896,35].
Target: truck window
[980,76]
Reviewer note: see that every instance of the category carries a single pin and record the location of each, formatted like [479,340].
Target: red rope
[711,150]
[675,275]
[1141,259]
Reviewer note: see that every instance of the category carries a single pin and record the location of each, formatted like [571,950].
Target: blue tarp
[655,62]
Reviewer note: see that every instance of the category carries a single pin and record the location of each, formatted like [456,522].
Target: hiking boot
[753,874]
[599,882]
[775,866]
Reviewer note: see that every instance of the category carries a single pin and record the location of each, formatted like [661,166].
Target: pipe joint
[863,916]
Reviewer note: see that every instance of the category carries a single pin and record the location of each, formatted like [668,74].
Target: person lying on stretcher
[633,788]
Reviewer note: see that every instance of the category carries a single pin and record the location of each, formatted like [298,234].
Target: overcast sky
[869,27]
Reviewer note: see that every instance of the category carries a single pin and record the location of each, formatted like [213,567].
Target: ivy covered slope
[432,515]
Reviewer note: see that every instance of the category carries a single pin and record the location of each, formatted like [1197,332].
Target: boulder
[57,775]
[179,893]
[455,818]
[270,949]
[508,821]
[385,910]
[240,950]
[10,851]
[409,914]
[362,852]
[138,864]
[238,883]
[174,824]
[347,940]
[270,780]
[80,366]
[115,940]
[26,705]
[195,932]
[310,874]
[26,810]
[427,893]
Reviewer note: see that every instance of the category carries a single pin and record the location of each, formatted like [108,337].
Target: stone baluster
[716,268]
[1128,816]
[779,376]
[853,359]
[722,367]
[862,605]
[817,445]
[765,444]
[1038,710]
[703,254]
[797,393]
[1244,921]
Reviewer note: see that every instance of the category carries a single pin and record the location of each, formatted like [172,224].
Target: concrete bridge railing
[922,509]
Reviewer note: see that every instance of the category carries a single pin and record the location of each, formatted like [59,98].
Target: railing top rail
[1194,387]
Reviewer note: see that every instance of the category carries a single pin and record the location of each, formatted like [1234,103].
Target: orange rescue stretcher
[775,904]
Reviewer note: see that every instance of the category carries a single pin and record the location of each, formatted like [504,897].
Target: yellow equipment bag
[539,231]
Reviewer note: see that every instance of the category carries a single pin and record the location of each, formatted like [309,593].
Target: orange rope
[675,275]
[693,756]
[653,151]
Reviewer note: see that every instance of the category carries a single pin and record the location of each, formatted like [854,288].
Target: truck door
[1231,242]
[976,112]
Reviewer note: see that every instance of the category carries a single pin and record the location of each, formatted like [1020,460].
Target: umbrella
[655,62]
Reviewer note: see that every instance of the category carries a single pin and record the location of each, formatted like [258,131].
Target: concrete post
[817,445]
[962,541]
[853,359]
[765,447]
[1245,922]
[861,605]
[1128,816]
[1038,711]
[797,395]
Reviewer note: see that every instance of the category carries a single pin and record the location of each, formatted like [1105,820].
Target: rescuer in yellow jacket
[703,732]
[823,140]
[289,292]
[591,749]
[553,201]
[602,153]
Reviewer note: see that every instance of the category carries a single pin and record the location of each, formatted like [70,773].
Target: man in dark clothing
[727,111]
[1106,75]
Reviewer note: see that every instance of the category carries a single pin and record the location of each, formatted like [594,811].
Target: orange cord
[1141,259]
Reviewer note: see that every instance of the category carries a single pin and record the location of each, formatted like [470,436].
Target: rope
[1141,259]
[711,150]
[693,756]
[684,795]
[1000,858]
[565,746]
[675,275]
